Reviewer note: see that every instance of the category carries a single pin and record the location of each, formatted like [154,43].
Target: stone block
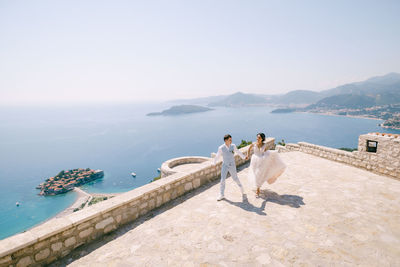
[196,182]
[23,252]
[166,197]
[40,245]
[68,232]
[110,228]
[143,212]
[104,223]
[159,201]
[152,203]
[5,260]
[118,218]
[54,238]
[56,246]
[143,205]
[43,254]
[25,261]
[83,225]
[70,241]
[86,232]
[188,186]
[131,211]
[174,193]
[160,191]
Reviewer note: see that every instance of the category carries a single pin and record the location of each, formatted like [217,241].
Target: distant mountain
[384,89]
[376,91]
[297,97]
[240,99]
[389,83]
[350,101]
[179,110]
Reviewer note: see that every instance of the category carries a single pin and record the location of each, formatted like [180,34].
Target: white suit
[228,164]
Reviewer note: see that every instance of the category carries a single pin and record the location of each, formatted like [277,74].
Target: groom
[227,151]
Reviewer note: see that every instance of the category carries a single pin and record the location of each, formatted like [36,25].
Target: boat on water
[133,174]
[159,170]
[17,204]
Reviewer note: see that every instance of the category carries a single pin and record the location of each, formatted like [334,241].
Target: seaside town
[389,113]
[65,181]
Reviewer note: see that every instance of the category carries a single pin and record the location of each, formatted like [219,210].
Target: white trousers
[231,168]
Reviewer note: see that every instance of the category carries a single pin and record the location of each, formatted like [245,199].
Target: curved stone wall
[167,168]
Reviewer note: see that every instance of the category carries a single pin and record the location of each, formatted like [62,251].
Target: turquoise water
[36,143]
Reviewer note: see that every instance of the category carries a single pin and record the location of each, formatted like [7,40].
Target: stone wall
[167,166]
[385,161]
[58,237]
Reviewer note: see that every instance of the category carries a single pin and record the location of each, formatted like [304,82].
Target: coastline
[352,116]
[332,114]
[82,197]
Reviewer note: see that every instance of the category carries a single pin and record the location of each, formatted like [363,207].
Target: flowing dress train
[264,166]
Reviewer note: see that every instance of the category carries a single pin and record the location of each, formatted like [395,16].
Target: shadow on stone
[247,206]
[268,196]
[288,200]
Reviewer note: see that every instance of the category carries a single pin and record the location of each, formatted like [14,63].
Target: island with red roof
[66,181]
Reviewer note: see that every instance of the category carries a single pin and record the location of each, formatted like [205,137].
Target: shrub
[244,143]
[156,178]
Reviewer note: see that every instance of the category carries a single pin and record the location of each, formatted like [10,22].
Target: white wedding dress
[264,166]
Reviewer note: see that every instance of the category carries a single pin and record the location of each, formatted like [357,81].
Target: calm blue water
[36,143]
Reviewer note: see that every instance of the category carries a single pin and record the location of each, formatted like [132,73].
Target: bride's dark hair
[262,135]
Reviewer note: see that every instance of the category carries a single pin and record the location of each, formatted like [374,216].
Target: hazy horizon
[73,52]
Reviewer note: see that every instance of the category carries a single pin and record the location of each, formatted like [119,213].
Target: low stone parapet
[386,159]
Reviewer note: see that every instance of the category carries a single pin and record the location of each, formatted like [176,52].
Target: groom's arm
[239,152]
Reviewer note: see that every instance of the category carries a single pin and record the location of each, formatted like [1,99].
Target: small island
[65,181]
[283,110]
[179,110]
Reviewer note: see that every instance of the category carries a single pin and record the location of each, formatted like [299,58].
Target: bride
[265,165]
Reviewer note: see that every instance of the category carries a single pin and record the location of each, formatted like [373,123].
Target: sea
[38,142]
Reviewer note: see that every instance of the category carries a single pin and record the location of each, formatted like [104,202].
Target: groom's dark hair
[227,136]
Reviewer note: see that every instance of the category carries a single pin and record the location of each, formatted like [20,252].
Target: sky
[133,51]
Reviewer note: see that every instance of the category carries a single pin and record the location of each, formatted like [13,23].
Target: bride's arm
[248,151]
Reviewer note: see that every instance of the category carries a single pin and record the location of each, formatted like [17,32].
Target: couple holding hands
[265,165]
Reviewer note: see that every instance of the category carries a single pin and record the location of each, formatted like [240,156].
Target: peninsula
[179,110]
[65,181]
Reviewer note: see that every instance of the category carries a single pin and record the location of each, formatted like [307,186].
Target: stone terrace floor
[318,213]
